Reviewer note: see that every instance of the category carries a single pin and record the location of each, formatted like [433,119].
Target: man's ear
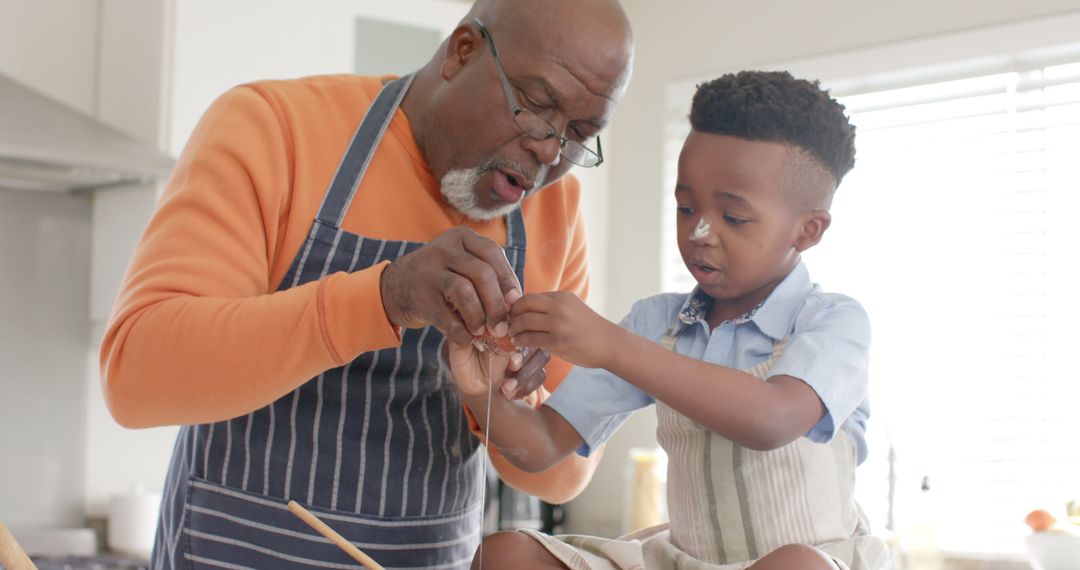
[462,45]
[812,229]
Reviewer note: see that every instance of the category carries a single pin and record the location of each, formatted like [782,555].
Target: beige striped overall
[730,505]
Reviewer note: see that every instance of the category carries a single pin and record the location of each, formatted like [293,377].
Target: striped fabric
[730,505]
[379,449]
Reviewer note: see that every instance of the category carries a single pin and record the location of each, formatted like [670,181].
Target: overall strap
[515,230]
[364,142]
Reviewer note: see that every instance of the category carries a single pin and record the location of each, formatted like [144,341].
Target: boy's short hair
[774,106]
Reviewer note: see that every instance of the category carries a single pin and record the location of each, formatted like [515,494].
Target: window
[959,231]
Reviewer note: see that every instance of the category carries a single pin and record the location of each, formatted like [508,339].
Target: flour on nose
[701,231]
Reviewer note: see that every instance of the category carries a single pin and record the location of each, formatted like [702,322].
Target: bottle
[646,489]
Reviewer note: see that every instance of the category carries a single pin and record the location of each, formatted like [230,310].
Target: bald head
[525,12]
[591,38]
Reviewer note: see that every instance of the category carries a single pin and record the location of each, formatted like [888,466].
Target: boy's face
[739,231]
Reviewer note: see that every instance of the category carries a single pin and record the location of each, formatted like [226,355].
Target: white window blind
[959,231]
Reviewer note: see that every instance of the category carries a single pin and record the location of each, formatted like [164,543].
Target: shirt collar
[774,316]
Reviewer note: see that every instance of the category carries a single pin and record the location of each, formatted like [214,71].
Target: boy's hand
[472,370]
[564,325]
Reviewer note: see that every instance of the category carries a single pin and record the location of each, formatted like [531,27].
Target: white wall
[679,39]
[222,44]
[43,308]
[381,47]
[43,302]
[132,95]
[104,58]
[31,53]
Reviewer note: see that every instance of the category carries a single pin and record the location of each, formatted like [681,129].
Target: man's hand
[530,372]
[473,370]
[563,324]
[460,283]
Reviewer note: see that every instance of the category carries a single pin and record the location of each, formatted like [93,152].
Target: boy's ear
[812,229]
[461,46]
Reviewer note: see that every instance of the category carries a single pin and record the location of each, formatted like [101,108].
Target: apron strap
[515,231]
[668,340]
[515,244]
[355,162]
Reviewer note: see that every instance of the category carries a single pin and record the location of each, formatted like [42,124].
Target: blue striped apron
[379,448]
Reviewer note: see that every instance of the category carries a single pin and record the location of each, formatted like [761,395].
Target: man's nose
[547,151]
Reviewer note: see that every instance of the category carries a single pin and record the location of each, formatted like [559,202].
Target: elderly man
[318,241]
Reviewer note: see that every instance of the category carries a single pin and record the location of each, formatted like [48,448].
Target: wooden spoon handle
[334,537]
[12,556]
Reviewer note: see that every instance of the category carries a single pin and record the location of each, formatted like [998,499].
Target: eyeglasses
[536,127]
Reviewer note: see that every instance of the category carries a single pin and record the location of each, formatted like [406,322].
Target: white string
[487,450]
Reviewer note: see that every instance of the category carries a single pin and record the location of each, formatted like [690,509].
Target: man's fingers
[471,372]
[495,256]
[516,360]
[461,297]
[534,363]
[450,323]
[452,353]
[484,281]
[531,376]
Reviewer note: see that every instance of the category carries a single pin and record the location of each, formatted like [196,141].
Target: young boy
[759,377]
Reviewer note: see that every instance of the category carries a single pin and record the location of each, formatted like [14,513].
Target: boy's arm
[732,403]
[814,387]
[759,415]
[531,439]
[559,484]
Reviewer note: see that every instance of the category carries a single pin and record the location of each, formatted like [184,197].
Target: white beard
[459,189]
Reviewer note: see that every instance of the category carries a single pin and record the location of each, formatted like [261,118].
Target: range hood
[45,145]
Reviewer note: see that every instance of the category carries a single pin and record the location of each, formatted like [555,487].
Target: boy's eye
[733,220]
[684,210]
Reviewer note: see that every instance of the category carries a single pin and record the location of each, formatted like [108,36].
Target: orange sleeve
[567,478]
[198,333]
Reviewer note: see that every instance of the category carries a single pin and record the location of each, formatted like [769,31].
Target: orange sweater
[199,332]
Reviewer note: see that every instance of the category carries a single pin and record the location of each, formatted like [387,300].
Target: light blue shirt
[828,343]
